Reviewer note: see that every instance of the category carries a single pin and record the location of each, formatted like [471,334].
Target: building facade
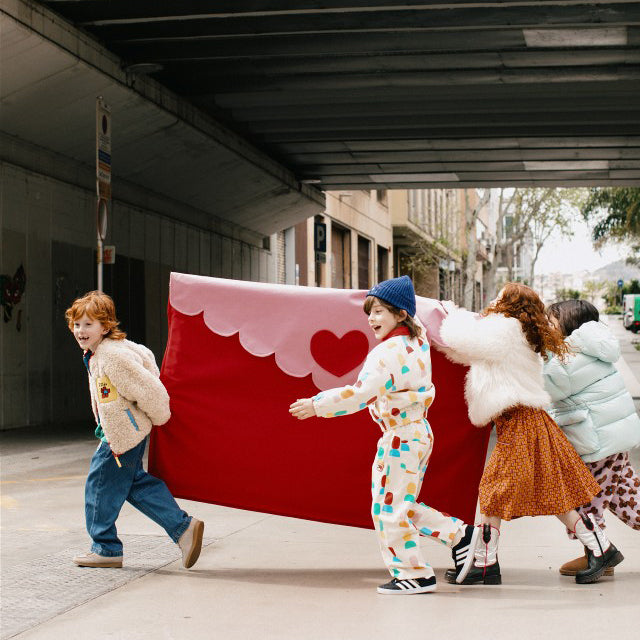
[348,246]
[430,240]
[48,227]
[370,236]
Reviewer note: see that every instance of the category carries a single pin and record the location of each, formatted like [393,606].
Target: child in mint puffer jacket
[596,412]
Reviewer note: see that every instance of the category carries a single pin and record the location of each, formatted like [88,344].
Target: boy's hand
[302,409]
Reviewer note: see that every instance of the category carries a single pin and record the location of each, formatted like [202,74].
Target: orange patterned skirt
[533,470]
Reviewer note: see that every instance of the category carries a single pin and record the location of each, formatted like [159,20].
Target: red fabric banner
[231,440]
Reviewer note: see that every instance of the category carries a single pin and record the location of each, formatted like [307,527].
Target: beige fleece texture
[127,396]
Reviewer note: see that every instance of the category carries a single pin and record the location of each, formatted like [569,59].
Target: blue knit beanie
[398,292]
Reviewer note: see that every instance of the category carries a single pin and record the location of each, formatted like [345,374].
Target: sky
[570,255]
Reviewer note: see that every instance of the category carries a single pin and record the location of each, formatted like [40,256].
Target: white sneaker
[191,543]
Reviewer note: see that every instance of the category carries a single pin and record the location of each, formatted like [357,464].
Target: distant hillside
[617,270]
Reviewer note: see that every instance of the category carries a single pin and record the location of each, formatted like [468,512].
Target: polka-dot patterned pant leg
[398,470]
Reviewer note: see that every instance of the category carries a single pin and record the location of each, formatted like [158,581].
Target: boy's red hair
[98,306]
[523,303]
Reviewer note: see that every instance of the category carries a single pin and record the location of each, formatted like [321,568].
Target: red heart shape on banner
[336,355]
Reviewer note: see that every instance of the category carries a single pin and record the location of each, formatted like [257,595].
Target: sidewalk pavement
[273,577]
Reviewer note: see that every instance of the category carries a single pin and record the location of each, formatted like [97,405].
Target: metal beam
[405,80]
[107,11]
[340,88]
[534,15]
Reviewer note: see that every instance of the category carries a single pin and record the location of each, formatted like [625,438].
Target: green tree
[567,294]
[633,286]
[615,215]
[611,294]
[592,290]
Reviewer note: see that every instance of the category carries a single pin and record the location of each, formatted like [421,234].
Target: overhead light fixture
[144,68]
[566,165]
[583,37]
[311,181]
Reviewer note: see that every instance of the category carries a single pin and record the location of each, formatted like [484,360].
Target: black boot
[597,565]
[601,553]
[477,575]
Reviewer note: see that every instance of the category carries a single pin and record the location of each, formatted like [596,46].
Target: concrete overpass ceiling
[377,94]
[51,75]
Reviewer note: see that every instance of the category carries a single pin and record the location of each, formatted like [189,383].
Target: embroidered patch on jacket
[106,391]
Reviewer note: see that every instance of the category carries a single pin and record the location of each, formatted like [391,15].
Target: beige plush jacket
[127,396]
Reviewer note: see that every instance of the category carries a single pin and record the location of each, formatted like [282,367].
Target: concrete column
[290,256]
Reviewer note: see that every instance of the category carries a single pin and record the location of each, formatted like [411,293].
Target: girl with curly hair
[533,470]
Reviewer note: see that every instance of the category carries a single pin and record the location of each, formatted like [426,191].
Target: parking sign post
[103,178]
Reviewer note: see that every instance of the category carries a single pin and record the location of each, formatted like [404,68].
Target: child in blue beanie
[395,385]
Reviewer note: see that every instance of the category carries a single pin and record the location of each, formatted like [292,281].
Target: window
[364,258]
[340,257]
[383,263]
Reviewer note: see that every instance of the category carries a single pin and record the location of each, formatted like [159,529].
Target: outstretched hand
[302,409]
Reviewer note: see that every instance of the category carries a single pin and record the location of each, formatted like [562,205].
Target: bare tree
[471,212]
[501,250]
[536,213]
[552,211]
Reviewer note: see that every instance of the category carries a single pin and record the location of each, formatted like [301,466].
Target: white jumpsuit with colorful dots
[395,384]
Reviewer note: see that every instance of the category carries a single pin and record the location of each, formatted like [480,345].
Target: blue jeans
[108,486]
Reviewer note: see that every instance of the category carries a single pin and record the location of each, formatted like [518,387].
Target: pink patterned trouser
[620,491]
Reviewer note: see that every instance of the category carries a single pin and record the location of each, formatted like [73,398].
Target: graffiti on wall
[11,292]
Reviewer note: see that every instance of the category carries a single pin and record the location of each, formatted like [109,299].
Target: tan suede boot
[573,566]
[190,543]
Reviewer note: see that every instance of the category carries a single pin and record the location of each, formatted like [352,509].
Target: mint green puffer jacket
[590,401]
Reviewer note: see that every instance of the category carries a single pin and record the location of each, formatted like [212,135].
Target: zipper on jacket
[132,419]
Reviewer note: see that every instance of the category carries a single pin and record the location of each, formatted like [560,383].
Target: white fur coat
[504,371]
[127,396]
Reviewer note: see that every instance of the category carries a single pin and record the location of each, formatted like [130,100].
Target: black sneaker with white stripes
[463,552]
[408,586]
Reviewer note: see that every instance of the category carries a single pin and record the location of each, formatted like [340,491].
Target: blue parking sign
[320,237]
